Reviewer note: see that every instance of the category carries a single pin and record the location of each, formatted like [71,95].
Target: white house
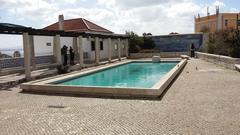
[44,44]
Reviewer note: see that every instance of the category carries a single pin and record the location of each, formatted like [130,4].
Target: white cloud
[127,4]
[234,10]
[31,9]
[155,16]
[219,3]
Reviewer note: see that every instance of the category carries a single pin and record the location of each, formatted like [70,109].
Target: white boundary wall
[225,61]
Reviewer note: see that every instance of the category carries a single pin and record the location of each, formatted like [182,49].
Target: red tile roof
[78,25]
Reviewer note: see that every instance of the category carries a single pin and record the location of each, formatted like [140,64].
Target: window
[48,44]
[226,23]
[92,45]
[101,45]
[116,47]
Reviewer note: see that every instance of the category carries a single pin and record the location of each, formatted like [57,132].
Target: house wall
[225,61]
[104,52]
[123,51]
[114,49]
[40,45]
[41,48]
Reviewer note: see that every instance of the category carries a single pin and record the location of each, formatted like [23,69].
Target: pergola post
[57,49]
[27,55]
[75,49]
[119,49]
[80,50]
[126,47]
[97,51]
[109,49]
[31,42]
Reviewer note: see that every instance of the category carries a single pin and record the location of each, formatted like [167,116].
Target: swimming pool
[131,78]
[133,74]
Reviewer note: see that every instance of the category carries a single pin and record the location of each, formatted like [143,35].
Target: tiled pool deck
[205,99]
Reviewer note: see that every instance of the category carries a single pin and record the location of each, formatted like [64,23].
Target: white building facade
[43,45]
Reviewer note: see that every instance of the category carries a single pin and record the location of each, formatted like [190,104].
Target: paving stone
[200,101]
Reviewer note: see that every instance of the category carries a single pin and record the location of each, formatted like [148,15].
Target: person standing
[64,54]
[192,50]
[71,52]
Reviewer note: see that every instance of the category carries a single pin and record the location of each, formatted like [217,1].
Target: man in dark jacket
[64,54]
[192,51]
[71,52]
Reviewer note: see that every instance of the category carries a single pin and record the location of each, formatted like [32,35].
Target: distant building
[217,22]
[2,55]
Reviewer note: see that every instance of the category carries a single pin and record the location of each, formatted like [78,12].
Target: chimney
[217,10]
[61,22]
[208,11]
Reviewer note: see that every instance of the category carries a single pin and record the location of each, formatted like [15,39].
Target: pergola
[28,43]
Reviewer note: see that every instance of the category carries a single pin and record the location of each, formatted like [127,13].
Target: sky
[158,17]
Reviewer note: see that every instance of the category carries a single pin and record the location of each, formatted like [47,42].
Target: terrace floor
[204,99]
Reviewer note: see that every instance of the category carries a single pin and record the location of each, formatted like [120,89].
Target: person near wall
[64,54]
[71,52]
[192,50]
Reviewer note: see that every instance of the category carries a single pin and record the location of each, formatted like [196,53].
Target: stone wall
[19,62]
[225,61]
[162,54]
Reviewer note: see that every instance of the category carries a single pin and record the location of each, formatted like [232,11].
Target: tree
[205,29]
[134,42]
[148,43]
[226,42]
[232,36]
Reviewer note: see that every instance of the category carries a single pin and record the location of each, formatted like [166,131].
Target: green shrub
[134,42]
[225,42]
[235,52]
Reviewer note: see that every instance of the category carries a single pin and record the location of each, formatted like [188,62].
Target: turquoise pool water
[134,75]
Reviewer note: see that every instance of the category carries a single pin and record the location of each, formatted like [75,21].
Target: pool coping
[43,86]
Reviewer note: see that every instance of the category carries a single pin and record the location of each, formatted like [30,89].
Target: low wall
[19,62]
[7,71]
[162,54]
[225,61]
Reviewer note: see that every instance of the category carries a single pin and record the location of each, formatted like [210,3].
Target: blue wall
[177,43]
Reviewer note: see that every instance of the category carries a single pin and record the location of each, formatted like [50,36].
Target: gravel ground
[204,99]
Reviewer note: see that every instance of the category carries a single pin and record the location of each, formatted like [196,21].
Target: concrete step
[237,66]
[12,80]
[185,57]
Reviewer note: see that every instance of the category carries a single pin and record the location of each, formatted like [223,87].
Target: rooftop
[78,25]
[11,25]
